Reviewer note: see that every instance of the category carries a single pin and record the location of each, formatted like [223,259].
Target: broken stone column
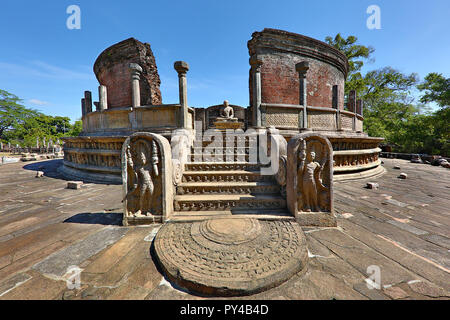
[352,101]
[256,64]
[83,107]
[360,107]
[182,68]
[103,98]
[88,101]
[135,87]
[309,184]
[302,69]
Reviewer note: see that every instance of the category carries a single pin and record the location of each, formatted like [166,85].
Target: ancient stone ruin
[232,185]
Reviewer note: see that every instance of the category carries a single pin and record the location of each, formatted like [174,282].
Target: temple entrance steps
[212,189]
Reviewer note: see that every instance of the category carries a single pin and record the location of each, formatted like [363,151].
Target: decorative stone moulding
[147,179]
[309,185]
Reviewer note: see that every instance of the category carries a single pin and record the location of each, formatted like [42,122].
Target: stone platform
[231,257]
[403,228]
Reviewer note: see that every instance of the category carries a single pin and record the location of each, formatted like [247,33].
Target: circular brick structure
[230,257]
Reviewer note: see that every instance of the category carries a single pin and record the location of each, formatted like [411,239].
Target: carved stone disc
[230,257]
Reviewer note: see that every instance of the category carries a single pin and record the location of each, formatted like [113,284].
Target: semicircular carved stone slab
[231,257]
[147,179]
[309,184]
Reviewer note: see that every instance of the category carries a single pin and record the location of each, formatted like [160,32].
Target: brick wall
[280,51]
[112,70]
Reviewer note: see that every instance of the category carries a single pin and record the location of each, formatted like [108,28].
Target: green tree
[23,126]
[437,89]
[12,113]
[390,108]
[76,129]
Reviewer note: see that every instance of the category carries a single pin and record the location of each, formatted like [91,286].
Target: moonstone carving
[147,179]
[309,183]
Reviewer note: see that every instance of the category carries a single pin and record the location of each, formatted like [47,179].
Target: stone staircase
[226,184]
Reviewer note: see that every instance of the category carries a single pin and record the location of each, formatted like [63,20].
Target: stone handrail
[342,119]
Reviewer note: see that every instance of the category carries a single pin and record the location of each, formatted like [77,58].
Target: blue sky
[50,66]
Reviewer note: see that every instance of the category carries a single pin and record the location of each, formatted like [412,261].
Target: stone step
[225,176]
[215,202]
[222,166]
[237,157]
[192,216]
[195,188]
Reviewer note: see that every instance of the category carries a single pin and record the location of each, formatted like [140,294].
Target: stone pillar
[302,68]
[37,142]
[135,86]
[83,107]
[103,98]
[97,106]
[352,101]
[360,107]
[336,106]
[352,106]
[88,101]
[182,68]
[256,64]
[1,145]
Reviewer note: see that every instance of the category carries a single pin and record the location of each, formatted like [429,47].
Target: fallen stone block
[403,176]
[74,185]
[39,174]
[372,185]
[397,168]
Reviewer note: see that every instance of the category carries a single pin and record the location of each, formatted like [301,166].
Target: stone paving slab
[57,264]
[42,221]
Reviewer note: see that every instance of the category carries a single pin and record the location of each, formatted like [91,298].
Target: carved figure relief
[312,192]
[309,184]
[143,179]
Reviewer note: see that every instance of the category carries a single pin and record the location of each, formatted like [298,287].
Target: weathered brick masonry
[280,51]
[112,70]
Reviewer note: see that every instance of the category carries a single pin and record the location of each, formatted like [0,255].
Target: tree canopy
[391,110]
[23,126]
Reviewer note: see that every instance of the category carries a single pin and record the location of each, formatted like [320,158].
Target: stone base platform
[230,257]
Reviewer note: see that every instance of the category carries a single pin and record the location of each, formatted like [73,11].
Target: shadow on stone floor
[49,168]
[107,219]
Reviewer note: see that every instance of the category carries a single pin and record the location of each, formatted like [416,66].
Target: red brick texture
[112,70]
[280,51]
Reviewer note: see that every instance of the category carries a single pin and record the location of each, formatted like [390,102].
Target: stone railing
[126,120]
[155,118]
[291,117]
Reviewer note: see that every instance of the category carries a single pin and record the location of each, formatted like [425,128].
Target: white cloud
[38,102]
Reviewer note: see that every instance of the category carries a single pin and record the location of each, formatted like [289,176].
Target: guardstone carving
[147,179]
[309,183]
